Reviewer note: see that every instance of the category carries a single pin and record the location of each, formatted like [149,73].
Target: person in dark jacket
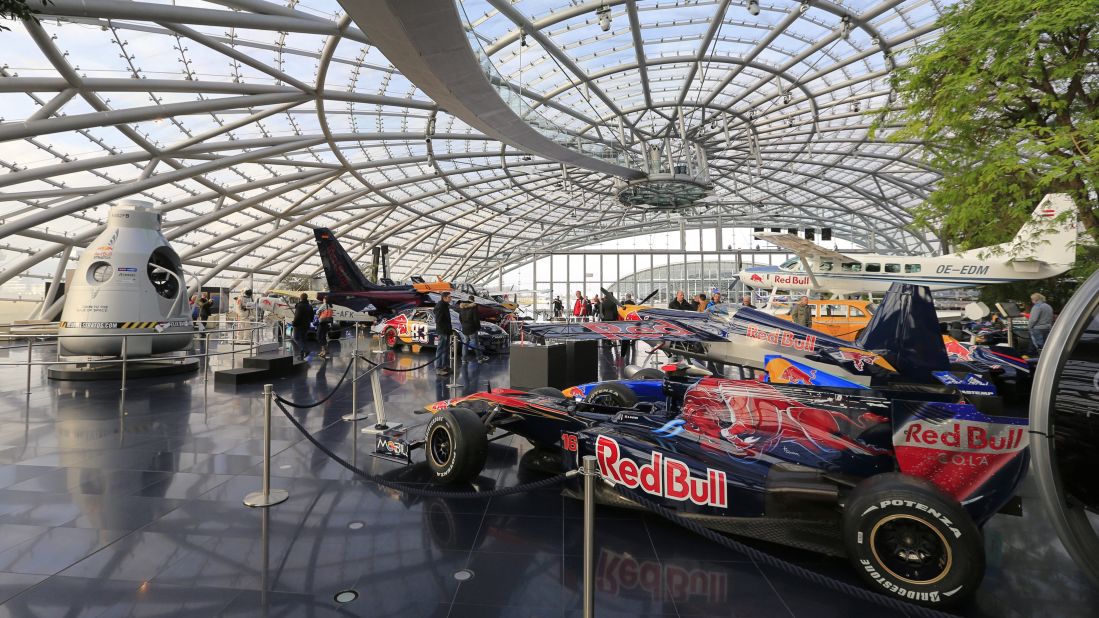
[444,329]
[471,327]
[608,312]
[608,308]
[205,308]
[587,309]
[680,302]
[303,317]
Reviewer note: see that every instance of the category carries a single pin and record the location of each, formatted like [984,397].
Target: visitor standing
[1040,322]
[325,318]
[470,319]
[205,308]
[445,330]
[801,313]
[578,306]
[680,302]
[303,317]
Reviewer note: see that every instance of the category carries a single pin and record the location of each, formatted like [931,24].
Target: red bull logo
[400,322]
[662,476]
[968,436]
[798,280]
[793,375]
[755,278]
[861,360]
[956,350]
[783,338]
[645,329]
[959,456]
[616,572]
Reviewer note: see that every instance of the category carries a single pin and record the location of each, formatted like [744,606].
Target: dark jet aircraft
[349,287]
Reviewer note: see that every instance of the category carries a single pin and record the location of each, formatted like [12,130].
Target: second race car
[416,328]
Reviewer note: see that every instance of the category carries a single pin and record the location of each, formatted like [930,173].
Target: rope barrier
[864,594]
[418,491]
[668,514]
[292,404]
[394,370]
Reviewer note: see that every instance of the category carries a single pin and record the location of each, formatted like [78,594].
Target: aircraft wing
[690,330]
[804,248]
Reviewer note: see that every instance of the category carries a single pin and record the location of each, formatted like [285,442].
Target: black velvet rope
[322,401]
[419,491]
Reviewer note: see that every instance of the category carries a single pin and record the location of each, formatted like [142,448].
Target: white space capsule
[128,281]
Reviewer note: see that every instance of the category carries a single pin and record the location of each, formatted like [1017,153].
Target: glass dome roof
[247,123]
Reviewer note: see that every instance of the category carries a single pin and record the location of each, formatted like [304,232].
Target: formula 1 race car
[416,327]
[899,481]
[898,477]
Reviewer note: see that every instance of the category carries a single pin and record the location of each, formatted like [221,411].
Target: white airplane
[1044,247]
[282,307]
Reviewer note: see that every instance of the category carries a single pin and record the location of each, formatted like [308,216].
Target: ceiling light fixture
[753,7]
[845,27]
[604,15]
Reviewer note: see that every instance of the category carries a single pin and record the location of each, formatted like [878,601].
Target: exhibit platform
[133,508]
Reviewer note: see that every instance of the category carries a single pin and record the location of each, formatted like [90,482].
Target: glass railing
[531,113]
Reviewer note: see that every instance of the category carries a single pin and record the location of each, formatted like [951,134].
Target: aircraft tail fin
[1050,233]
[905,331]
[339,269]
[1048,236]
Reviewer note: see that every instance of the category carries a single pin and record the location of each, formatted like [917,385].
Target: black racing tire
[612,394]
[648,373]
[892,514]
[389,336]
[549,391]
[456,445]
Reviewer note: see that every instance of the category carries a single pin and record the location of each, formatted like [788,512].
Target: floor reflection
[109,511]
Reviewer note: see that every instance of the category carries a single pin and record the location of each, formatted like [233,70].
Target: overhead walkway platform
[427,41]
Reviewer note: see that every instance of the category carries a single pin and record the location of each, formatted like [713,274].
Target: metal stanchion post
[381,425]
[206,364]
[125,355]
[266,496]
[590,474]
[30,353]
[454,343]
[265,561]
[354,415]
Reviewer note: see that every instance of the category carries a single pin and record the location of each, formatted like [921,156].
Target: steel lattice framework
[249,122]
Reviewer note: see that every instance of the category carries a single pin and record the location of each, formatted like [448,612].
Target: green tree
[17,9]
[1006,103]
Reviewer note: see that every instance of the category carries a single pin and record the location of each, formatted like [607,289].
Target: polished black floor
[133,508]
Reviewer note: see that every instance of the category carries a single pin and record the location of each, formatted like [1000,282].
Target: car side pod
[976,459]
